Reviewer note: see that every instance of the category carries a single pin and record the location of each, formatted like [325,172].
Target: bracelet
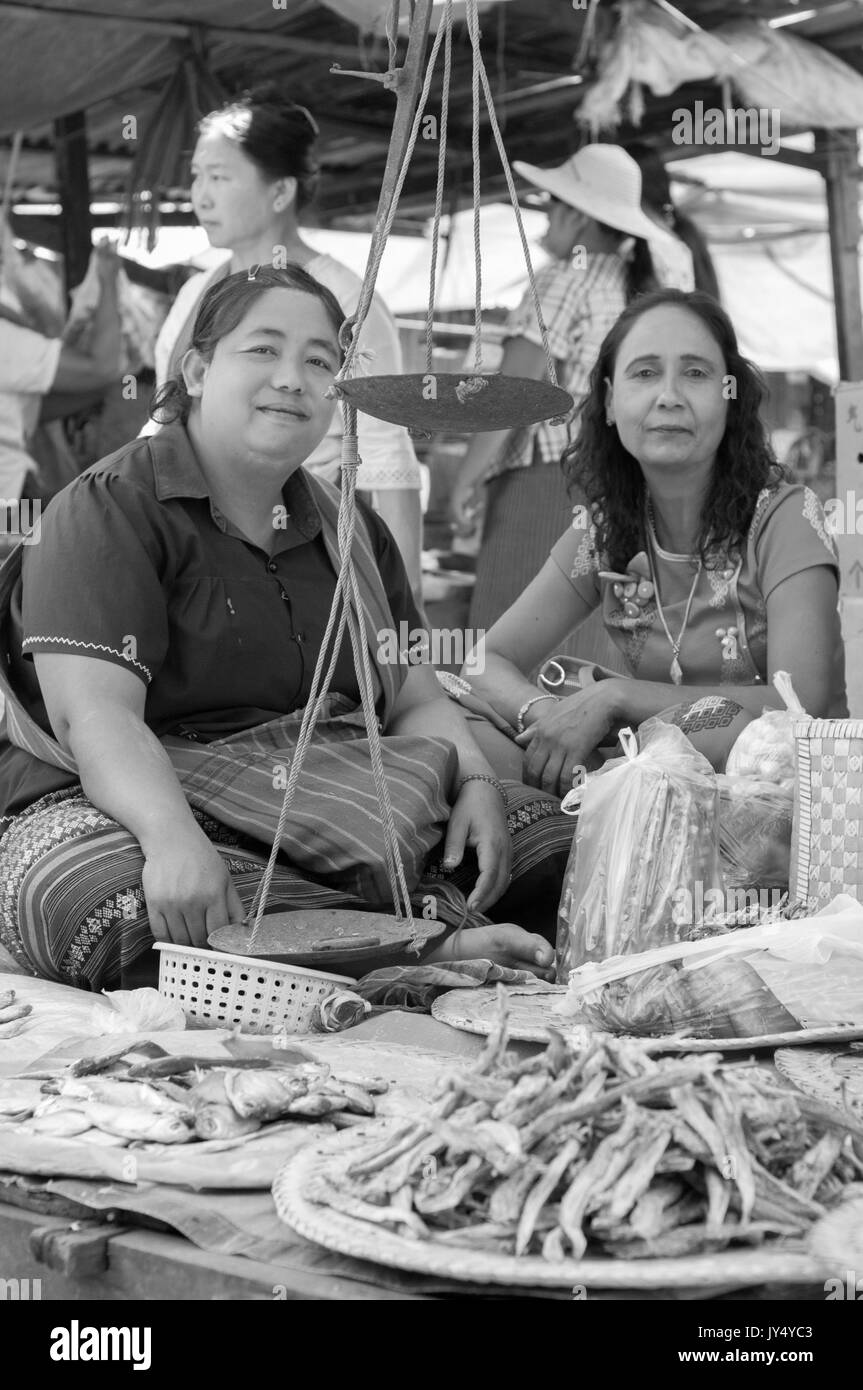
[483,777]
[519,719]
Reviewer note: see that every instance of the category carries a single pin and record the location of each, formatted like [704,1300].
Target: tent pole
[841,169]
[70,135]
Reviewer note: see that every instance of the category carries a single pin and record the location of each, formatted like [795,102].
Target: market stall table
[85,1239]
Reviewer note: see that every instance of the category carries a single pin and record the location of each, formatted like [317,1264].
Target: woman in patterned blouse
[710,568]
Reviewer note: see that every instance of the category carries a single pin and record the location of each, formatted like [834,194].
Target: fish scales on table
[609,1148]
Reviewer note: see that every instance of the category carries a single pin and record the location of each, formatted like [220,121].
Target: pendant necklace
[675,671]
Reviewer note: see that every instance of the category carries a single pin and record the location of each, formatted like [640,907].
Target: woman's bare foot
[502,942]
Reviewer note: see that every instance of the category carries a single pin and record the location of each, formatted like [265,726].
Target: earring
[608,420]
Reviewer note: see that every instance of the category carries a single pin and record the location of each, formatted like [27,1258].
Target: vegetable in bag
[646,841]
[765,749]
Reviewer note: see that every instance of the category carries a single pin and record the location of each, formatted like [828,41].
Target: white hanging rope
[347,608]
[382,231]
[476,61]
[513,197]
[441,171]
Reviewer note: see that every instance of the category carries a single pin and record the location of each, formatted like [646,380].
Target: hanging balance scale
[431,401]
[353,941]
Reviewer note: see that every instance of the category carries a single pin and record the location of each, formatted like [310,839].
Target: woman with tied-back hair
[158,650]
[254,171]
[711,571]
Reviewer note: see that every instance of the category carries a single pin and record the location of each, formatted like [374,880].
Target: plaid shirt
[579,307]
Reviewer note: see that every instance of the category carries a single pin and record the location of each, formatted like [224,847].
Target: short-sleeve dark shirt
[136,566]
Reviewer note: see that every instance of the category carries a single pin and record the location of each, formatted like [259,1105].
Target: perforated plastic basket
[259,996]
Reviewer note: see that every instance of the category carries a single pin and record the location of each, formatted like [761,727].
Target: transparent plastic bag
[647,833]
[765,749]
[755,825]
[761,982]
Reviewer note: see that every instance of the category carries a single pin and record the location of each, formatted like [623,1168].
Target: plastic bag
[137,1011]
[765,749]
[647,833]
[779,978]
[755,825]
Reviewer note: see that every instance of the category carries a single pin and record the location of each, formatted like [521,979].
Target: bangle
[519,720]
[483,777]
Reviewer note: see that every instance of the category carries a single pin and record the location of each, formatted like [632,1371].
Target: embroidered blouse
[725,641]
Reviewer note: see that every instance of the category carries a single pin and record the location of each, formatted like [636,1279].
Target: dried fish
[340,1200]
[375,1085]
[639,1175]
[568,1149]
[509,1196]
[447,1188]
[11,1030]
[214,1121]
[263,1095]
[718,1200]
[488,1235]
[540,1193]
[553,1246]
[115,1091]
[657,1210]
[11,1011]
[131,1123]
[60,1123]
[19,1097]
[812,1168]
[353,1097]
[313,1105]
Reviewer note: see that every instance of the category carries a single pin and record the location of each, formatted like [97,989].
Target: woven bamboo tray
[831,1075]
[827,835]
[531,1014]
[293,1195]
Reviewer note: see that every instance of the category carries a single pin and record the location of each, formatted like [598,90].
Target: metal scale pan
[458,402]
[342,940]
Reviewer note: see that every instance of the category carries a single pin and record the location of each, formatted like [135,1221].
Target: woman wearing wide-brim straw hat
[597,236]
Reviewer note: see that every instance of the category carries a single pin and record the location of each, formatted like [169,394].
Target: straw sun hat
[600,180]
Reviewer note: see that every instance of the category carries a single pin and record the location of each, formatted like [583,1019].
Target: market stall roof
[112,59]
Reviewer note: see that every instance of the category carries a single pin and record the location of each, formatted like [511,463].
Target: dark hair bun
[277,134]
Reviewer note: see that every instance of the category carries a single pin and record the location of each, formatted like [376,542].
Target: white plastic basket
[259,996]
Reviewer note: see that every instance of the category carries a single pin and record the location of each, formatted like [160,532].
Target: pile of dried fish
[12,1015]
[605,1151]
[174,1100]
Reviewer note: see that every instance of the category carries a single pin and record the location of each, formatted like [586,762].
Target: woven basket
[827,838]
[257,996]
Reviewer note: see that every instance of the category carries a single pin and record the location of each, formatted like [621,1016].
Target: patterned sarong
[72,908]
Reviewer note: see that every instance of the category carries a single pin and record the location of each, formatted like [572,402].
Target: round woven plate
[323,937]
[531,1014]
[828,1075]
[349,1236]
[464,403]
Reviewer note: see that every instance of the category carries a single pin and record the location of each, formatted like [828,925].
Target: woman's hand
[501,942]
[466,505]
[478,819]
[188,890]
[107,260]
[562,736]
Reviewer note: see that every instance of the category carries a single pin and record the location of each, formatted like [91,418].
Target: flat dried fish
[639,1175]
[444,1193]
[540,1193]
[571,1150]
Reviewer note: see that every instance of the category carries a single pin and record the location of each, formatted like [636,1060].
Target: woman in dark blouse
[179,597]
